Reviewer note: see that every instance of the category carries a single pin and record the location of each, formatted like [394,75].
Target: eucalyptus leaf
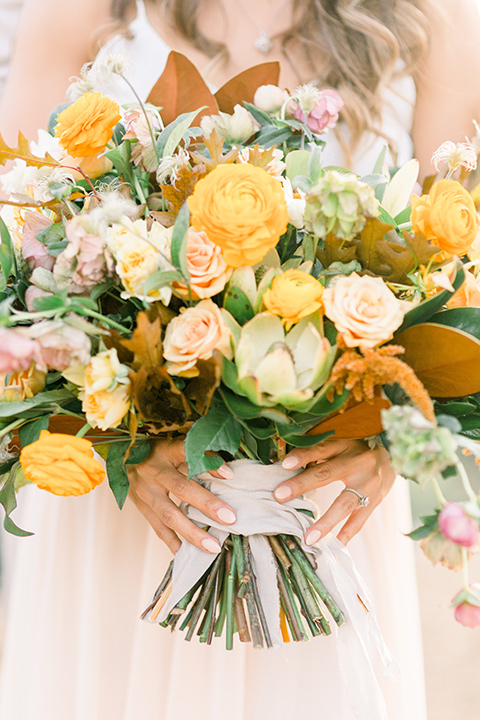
[261,117]
[172,135]
[180,239]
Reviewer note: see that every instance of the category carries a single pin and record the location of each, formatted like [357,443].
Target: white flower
[269,98]
[307,97]
[97,74]
[296,204]
[54,183]
[113,207]
[79,85]
[399,190]
[170,166]
[455,155]
[236,128]
[475,142]
[275,167]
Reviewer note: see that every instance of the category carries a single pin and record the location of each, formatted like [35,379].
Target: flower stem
[231,561]
[438,492]
[147,119]
[83,431]
[105,319]
[466,483]
[466,579]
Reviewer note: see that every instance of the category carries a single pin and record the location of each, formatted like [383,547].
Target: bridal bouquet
[190,266]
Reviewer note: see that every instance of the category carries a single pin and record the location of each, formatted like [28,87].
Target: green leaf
[239,406]
[30,432]
[172,135]
[267,137]
[404,216]
[303,440]
[216,431]
[139,452]
[9,502]
[52,302]
[421,532]
[51,234]
[238,305]
[46,400]
[7,255]
[120,157]
[116,472]
[98,290]
[462,318]
[161,278]
[457,409]
[179,240]
[426,309]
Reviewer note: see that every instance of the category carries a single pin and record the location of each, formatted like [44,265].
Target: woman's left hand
[369,472]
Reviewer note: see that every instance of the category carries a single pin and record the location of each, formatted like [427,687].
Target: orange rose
[61,464]
[447,217]
[242,209]
[293,296]
[85,127]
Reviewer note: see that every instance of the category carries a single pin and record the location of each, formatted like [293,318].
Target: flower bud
[269,98]
[319,109]
[467,606]
[234,128]
[457,526]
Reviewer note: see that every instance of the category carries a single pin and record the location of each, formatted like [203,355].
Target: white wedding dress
[75,648]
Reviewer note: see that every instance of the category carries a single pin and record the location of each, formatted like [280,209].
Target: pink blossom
[32,293]
[82,264]
[33,251]
[17,352]
[467,613]
[324,114]
[61,345]
[457,526]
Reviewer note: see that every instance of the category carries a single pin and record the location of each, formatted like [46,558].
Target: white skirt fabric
[75,647]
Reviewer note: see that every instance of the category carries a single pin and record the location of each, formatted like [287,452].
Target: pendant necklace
[263,42]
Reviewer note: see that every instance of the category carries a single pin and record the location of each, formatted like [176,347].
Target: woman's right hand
[165,472]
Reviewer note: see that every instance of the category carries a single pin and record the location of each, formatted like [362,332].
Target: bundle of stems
[226,597]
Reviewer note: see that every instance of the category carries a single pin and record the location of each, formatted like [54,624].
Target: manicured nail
[312,537]
[226,515]
[283,492]
[211,546]
[226,473]
[290,462]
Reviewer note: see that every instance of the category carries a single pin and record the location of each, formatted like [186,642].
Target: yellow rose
[242,209]
[363,309]
[194,335]
[293,296]
[139,253]
[208,270]
[85,127]
[21,385]
[61,464]
[106,391]
[447,217]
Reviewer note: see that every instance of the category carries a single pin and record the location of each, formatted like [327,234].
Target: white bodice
[147,53]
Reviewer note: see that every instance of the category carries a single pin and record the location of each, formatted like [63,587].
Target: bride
[74,647]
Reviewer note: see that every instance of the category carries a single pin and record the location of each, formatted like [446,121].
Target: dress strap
[141,12]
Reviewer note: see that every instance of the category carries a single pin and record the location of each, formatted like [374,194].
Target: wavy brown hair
[351,45]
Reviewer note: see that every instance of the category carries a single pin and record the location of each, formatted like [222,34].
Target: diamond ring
[363,500]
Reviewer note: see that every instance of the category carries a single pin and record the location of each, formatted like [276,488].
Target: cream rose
[208,271]
[106,391]
[363,309]
[194,335]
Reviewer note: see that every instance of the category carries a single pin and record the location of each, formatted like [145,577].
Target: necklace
[263,42]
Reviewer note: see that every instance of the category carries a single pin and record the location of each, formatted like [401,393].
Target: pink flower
[33,293]
[467,607]
[83,263]
[457,526]
[17,352]
[33,251]
[61,345]
[324,114]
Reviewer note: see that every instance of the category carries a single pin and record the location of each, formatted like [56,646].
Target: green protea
[339,203]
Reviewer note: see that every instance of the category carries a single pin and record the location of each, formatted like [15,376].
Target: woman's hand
[351,461]
[165,472]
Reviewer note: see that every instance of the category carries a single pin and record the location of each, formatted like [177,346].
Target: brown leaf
[22,152]
[259,156]
[242,87]
[357,422]
[181,89]
[146,341]
[159,402]
[332,251]
[214,144]
[176,194]
[446,360]
[200,389]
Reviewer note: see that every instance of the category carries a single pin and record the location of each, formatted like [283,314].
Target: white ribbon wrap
[250,493]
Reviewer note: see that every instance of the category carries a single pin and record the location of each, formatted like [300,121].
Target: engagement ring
[363,500]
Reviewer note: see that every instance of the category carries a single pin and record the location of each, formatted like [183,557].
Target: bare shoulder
[448,87]
[54,39]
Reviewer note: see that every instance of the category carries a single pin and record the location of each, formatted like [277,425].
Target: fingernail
[312,537]
[290,462]
[283,492]
[226,473]
[211,546]
[226,515]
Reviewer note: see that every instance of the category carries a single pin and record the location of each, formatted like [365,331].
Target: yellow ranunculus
[61,464]
[447,217]
[293,296]
[242,209]
[85,127]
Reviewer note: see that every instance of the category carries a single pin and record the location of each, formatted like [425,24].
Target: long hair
[354,46]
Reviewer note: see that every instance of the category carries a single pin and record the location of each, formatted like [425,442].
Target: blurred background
[452,652]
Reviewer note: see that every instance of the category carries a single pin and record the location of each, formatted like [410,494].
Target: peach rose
[242,209]
[447,217]
[363,309]
[469,293]
[106,391]
[194,335]
[293,295]
[208,271]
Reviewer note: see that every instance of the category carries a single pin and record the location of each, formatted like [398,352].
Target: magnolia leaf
[30,432]
[184,186]
[146,341]
[181,89]
[9,502]
[427,308]
[22,152]
[216,431]
[116,471]
[243,86]
[462,318]
[446,360]
[357,422]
